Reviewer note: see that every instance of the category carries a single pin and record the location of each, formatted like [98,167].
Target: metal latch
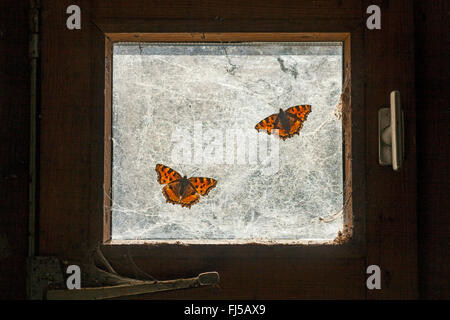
[391,146]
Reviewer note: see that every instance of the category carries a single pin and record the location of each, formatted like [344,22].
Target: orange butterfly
[287,122]
[180,190]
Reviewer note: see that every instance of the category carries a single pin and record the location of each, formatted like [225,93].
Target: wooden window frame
[237,37]
[75,147]
[349,245]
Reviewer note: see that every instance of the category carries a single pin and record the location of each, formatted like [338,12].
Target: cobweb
[193,107]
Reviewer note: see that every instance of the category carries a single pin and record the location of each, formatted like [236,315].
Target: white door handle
[391,134]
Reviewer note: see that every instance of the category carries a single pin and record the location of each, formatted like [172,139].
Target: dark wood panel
[391,208]
[433,143]
[14,147]
[431,44]
[310,271]
[232,9]
[72,156]
[302,24]
[71,151]
[98,140]
[260,278]
[72,114]
[236,251]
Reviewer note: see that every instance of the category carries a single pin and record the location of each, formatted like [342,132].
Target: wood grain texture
[433,143]
[233,9]
[227,37]
[73,148]
[391,209]
[354,122]
[107,156]
[73,151]
[14,147]
[100,122]
[246,272]
[68,126]
[66,137]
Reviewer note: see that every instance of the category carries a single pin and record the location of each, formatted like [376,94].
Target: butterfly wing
[166,174]
[295,125]
[301,111]
[296,116]
[203,185]
[284,134]
[190,196]
[172,192]
[269,124]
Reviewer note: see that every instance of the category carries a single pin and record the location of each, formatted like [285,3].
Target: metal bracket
[47,283]
[391,147]
[135,288]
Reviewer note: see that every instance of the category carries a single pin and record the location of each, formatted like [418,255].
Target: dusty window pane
[194,107]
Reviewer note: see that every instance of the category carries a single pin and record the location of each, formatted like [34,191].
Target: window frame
[236,37]
[349,246]
[73,148]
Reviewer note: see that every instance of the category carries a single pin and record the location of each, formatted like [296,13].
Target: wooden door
[75,147]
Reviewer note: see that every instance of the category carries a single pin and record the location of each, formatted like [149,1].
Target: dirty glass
[194,107]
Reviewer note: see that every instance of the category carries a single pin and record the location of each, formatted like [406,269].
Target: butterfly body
[284,120]
[184,186]
[181,190]
[288,123]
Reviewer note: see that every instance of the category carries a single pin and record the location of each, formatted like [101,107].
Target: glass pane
[194,107]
